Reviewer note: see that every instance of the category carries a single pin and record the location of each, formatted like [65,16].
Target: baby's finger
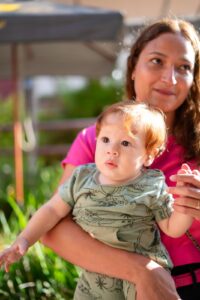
[3,258]
[7,266]
[1,262]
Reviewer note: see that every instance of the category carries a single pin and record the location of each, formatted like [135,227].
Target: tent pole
[17,129]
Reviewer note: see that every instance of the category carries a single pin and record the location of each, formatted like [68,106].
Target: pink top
[181,250]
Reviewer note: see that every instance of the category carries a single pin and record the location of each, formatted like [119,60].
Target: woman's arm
[188,191]
[69,241]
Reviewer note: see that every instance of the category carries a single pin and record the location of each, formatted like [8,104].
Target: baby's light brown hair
[151,120]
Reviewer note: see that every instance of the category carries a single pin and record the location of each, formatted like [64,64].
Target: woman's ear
[133,75]
[149,160]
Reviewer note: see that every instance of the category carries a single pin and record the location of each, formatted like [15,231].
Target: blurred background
[67,63]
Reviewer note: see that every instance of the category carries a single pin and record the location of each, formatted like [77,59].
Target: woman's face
[164,71]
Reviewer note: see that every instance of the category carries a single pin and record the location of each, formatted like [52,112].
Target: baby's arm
[178,223]
[42,221]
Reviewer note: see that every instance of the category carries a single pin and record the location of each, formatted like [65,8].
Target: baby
[117,200]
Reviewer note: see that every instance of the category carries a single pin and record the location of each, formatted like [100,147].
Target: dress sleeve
[162,204]
[67,190]
[83,148]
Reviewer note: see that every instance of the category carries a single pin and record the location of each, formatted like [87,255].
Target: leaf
[18,212]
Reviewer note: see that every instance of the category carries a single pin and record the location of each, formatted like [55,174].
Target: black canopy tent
[34,30]
[58,39]
[39,21]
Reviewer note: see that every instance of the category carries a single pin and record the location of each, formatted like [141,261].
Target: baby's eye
[125,143]
[105,139]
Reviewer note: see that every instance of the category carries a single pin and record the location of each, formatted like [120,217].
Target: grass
[40,274]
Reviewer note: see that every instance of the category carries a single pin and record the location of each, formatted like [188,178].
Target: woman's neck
[170,116]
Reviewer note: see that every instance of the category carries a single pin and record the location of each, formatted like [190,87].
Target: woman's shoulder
[89,131]
[87,137]
[83,148]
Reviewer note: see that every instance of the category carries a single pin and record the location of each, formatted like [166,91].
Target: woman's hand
[155,283]
[187,190]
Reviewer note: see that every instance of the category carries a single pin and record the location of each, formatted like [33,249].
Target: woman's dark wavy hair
[187,119]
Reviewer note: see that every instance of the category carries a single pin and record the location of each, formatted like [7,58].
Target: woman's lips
[165,92]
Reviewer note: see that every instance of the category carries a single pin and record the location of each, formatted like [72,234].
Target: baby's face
[119,155]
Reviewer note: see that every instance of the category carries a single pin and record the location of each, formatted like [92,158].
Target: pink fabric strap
[186,279]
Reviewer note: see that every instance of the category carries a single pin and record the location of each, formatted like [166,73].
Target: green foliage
[40,183]
[82,103]
[6,112]
[6,116]
[40,274]
[85,102]
[34,277]
[89,101]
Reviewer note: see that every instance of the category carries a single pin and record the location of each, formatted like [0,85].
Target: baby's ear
[149,160]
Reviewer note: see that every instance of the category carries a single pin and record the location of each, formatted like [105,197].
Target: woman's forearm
[69,241]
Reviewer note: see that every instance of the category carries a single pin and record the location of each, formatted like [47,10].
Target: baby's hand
[13,253]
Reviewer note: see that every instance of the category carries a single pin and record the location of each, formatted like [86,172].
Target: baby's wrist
[24,240]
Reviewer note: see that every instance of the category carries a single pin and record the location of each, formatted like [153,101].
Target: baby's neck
[106,181]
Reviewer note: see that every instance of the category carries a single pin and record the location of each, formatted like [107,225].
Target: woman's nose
[169,76]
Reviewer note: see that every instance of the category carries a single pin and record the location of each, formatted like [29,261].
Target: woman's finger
[195,213]
[188,202]
[196,172]
[186,191]
[193,179]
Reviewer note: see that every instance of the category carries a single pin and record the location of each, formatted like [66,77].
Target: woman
[163,70]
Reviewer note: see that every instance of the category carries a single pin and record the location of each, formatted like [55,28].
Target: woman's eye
[156,61]
[105,139]
[125,143]
[185,68]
